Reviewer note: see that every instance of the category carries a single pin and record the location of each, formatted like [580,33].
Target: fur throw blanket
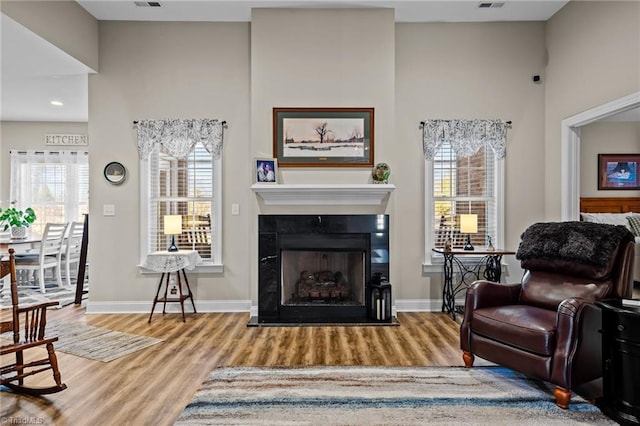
[586,243]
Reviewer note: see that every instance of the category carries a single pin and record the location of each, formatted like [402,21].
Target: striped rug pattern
[95,343]
[380,396]
[28,296]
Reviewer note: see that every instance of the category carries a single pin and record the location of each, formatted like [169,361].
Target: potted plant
[17,220]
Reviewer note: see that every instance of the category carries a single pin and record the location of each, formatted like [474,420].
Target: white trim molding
[144,307]
[323,194]
[419,305]
[570,149]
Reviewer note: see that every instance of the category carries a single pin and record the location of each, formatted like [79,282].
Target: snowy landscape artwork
[332,137]
[323,136]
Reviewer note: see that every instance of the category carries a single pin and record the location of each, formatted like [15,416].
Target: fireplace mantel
[322,194]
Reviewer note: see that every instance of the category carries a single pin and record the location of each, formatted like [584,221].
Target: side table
[620,362]
[487,265]
[172,262]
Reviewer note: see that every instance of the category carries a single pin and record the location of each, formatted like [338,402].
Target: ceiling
[405,11]
[34,72]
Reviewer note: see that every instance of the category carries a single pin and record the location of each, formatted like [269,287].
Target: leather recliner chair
[547,326]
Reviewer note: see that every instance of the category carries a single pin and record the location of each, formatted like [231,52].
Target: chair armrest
[578,338]
[482,294]
[37,307]
[6,326]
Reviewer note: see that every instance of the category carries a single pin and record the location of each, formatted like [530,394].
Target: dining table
[19,245]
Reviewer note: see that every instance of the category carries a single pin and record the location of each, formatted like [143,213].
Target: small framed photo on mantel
[265,170]
[618,171]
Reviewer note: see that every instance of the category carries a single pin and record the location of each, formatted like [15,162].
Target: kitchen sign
[66,140]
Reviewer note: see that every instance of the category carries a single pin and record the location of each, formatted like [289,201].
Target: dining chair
[48,257]
[72,246]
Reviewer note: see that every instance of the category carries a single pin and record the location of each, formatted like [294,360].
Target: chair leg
[562,397]
[468,359]
[41,280]
[53,360]
[68,272]
[58,270]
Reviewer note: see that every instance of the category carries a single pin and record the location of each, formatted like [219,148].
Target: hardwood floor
[152,386]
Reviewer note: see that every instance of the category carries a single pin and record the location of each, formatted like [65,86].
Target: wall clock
[115,173]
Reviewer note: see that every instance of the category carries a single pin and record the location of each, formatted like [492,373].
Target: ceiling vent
[487,4]
[147,3]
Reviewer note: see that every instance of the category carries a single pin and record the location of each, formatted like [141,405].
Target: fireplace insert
[318,268]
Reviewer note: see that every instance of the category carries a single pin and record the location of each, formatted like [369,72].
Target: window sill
[205,268]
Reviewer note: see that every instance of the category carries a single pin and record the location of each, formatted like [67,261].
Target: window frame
[433,261]
[215,265]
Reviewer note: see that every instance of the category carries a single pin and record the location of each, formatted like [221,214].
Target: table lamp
[468,225]
[173,227]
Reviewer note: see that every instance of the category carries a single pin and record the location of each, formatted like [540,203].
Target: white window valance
[465,136]
[178,137]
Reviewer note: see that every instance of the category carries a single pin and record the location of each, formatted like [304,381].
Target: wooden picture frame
[323,137]
[265,170]
[618,171]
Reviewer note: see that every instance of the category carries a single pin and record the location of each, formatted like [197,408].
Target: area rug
[380,396]
[95,343]
[28,296]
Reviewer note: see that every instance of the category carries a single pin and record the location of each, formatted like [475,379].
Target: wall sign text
[60,139]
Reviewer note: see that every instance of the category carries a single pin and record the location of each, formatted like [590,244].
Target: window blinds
[463,185]
[182,187]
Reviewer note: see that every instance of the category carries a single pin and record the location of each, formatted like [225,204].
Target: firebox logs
[325,285]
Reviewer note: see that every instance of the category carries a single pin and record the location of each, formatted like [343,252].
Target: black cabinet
[621,362]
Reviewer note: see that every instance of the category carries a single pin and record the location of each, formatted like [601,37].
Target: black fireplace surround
[363,237]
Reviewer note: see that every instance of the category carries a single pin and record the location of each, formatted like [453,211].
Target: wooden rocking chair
[30,336]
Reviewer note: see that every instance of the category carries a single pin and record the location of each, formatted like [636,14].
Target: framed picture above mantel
[618,171]
[323,137]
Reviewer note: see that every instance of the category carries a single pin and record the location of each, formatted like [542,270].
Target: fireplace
[318,268]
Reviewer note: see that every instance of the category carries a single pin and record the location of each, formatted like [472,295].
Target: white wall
[605,138]
[323,58]
[151,70]
[593,58]
[468,71]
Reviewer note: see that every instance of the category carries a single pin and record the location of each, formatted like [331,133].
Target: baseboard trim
[145,307]
[421,305]
[120,307]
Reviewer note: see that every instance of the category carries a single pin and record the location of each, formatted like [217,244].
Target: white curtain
[178,137]
[54,183]
[465,136]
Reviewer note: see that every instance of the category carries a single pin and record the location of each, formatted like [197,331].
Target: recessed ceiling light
[57,103]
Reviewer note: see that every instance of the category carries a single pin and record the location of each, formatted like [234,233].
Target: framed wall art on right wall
[618,171]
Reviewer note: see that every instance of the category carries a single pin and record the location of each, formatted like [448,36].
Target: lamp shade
[173,224]
[469,223]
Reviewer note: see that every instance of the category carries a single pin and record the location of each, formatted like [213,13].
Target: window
[189,187]
[54,183]
[457,184]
